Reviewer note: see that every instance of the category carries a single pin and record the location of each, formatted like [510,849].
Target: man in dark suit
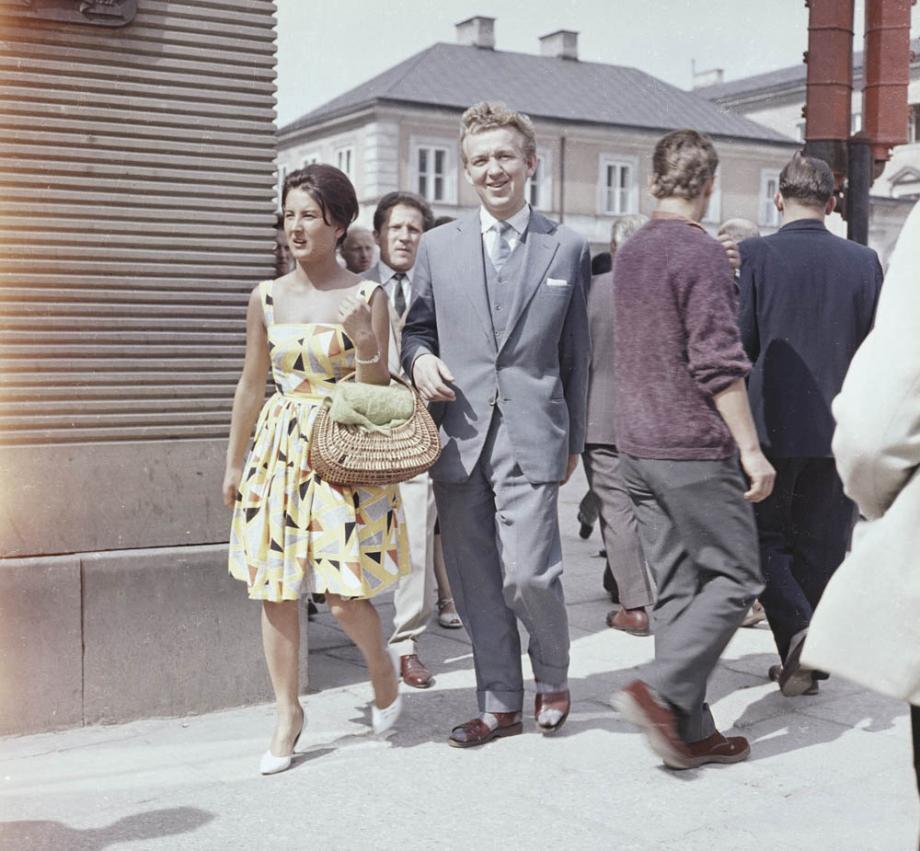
[808,300]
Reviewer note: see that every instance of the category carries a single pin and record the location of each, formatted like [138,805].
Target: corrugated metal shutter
[136,214]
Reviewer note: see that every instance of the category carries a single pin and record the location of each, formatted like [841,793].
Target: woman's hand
[355,316]
[231,486]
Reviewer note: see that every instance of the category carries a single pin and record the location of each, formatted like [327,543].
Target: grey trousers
[700,540]
[618,525]
[504,562]
[414,598]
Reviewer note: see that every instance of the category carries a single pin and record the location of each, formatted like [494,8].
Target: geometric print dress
[293,533]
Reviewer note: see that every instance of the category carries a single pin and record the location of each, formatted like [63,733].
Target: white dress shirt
[518,223]
[389,284]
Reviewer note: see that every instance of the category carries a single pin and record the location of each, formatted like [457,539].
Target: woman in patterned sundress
[292,532]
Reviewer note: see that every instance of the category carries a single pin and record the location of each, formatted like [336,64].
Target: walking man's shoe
[488,726]
[638,704]
[755,615]
[793,678]
[550,709]
[718,749]
[413,672]
[633,621]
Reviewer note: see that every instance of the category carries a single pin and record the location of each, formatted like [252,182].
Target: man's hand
[570,467]
[430,375]
[761,473]
[731,251]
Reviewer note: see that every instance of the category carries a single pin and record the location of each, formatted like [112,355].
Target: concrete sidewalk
[826,772]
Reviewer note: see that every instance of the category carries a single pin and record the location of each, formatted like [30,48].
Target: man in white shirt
[399,221]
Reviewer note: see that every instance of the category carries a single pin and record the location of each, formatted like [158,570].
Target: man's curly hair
[682,163]
[489,115]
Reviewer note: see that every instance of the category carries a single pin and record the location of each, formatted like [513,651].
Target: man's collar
[386,272]
[518,221]
[805,224]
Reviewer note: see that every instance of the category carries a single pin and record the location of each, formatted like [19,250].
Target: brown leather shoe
[477,732]
[718,748]
[633,621]
[414,673]
[561,701]
[638,704]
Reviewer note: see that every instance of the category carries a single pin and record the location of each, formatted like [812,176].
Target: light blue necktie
[501,248]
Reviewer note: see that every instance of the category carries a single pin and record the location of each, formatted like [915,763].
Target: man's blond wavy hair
[490,115]
[682,164]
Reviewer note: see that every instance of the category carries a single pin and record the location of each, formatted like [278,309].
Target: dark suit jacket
[808,301]
[601,386]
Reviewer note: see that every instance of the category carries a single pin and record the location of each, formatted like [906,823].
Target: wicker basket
[351,455]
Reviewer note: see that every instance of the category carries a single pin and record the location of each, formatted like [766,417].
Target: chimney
[562,44]
[710,77]
[478,31]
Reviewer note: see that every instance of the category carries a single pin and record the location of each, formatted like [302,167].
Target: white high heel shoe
[271,764]
[383,720]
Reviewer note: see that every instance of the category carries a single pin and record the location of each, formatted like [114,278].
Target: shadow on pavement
[153,824]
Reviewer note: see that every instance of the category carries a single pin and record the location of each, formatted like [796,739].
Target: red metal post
[829,82]
[886,68]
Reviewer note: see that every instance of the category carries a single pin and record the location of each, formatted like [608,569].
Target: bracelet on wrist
[368,361]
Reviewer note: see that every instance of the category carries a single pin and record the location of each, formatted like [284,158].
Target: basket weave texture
[351,455]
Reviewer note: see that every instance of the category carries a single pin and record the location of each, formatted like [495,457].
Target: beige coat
[867,626]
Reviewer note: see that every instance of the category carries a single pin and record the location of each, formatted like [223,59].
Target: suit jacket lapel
[540,247]
[471,275]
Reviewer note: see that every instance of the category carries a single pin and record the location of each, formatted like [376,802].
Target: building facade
[138,214]
[596,127]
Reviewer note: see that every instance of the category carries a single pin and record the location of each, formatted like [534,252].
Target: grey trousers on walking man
[502,548]
[699,537]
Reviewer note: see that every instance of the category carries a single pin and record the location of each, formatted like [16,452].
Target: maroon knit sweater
[676,342]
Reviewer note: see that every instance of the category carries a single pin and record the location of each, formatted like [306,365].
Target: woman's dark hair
[331,190]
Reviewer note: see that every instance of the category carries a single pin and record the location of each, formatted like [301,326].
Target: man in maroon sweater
[683,422]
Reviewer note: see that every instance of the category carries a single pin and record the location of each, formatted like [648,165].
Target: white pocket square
[556,282]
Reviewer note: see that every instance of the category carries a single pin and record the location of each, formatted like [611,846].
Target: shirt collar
[386,273]
[805,224]
[518,221]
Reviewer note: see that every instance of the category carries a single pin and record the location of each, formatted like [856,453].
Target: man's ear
[377,238]
[831,205]
[778,201]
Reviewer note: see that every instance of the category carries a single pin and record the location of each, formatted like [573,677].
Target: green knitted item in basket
[376,407]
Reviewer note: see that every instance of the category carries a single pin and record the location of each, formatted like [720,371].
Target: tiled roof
[792,77]
[456,76]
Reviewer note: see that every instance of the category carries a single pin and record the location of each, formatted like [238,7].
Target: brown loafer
[413,672]
[718,748]
[477,732]
[561,701]
[638,704]
[633,621]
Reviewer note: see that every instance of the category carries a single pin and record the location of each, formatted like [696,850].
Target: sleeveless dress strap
[367,290]
[268,304]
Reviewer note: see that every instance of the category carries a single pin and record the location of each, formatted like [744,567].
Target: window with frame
[431,165]
[345,161]
[769,186]
[617,182]
[539,189]
[913,124]
[855,122]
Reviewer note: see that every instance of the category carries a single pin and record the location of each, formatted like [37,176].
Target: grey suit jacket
[537,373]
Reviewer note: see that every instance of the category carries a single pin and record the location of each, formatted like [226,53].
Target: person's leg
[413,600]
[281,643]
[531,555]
[822,523]
[361,623]
[618,526]
[467,519]
[447,611]
[785,604]
[588,512]
[699,537]
[915,730]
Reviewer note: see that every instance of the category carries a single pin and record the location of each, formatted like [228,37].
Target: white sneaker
[382,720]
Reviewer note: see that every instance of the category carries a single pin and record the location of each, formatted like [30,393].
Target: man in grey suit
[497,339]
